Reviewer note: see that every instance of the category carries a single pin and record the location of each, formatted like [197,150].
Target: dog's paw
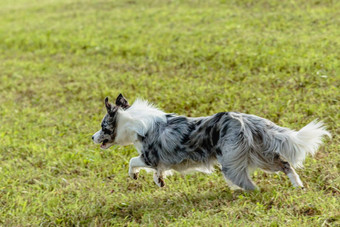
[159,181]
[133,175]
[299,187]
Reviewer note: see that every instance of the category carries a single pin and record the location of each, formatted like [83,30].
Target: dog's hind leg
[277,164]
[290,172]
[231,185]
[235,168]
[239,178]
[135,165]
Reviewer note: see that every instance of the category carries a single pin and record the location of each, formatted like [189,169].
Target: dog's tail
[298,145]
[291,145]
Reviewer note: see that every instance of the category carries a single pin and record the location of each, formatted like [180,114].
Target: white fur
[136,120]
[304,142]
[135,165]
[144,115]
[96,136]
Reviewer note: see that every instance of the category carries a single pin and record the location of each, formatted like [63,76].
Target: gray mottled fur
[238,142]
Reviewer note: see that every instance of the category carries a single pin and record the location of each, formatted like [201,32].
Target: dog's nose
[92,137]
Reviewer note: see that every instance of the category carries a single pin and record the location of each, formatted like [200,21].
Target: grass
[59,59]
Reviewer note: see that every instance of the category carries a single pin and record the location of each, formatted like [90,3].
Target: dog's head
[107,134]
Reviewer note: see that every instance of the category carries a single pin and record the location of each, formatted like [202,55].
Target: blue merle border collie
[238,142]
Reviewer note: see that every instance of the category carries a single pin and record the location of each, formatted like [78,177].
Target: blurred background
[59,59]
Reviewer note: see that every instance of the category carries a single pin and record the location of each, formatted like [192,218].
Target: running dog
[239,143]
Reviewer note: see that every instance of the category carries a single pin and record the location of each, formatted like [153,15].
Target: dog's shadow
[176,204]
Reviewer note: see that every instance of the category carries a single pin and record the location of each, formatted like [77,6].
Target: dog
[238,142]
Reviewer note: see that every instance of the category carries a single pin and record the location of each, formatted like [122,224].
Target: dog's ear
[108,105]
[122,102]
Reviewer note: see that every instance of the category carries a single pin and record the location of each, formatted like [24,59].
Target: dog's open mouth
[103,145]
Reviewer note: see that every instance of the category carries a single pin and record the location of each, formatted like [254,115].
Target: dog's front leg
[136,164]
[158,178]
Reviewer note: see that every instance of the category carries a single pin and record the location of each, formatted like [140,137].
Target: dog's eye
[106,131]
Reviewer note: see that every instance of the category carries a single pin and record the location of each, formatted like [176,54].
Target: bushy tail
[306,141]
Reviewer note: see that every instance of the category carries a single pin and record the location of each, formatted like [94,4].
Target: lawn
[59,59]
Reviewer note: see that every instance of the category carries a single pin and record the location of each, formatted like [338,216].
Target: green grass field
[59,59]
